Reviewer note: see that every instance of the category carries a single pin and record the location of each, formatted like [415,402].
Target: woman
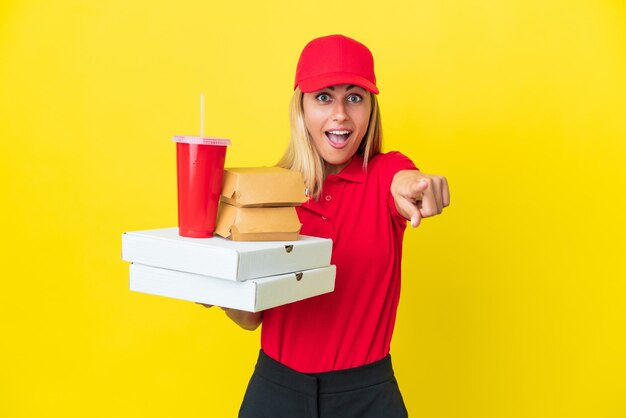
[328,356]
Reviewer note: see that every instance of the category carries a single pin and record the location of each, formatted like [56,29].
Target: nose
[339,111]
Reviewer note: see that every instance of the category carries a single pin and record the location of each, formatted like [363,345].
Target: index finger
[428,204]
[445,192]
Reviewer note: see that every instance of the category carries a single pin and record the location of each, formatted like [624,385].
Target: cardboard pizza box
[252,295]
[222,258]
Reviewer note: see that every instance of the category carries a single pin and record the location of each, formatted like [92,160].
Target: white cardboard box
[252,295]
[221,258]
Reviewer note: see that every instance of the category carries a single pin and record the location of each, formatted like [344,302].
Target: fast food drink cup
[200,167]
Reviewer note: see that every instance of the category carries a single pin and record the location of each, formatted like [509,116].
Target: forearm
[246,320]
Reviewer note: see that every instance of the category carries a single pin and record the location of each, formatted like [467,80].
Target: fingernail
[414,221]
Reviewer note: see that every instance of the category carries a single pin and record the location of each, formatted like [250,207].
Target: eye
[323,97]
[354,98]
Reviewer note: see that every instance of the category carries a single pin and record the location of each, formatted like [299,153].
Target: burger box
[262,187]
[257,223]
[251,295]
[222,258]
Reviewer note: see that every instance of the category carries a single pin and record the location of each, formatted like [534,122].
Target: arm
[246,320]
[418,195]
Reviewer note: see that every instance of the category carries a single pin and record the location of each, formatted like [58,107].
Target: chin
[334,160]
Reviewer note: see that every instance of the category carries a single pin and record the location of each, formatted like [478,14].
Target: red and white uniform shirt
[353,325]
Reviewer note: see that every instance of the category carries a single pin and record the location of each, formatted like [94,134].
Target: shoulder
[390,163]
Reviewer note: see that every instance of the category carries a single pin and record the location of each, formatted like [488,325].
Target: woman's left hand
[418,195]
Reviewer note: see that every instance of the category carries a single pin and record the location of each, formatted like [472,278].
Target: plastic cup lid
[201,141]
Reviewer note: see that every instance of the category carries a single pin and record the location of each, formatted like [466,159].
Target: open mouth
[338,138]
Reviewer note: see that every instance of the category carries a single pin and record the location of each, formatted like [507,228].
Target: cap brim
[319,82]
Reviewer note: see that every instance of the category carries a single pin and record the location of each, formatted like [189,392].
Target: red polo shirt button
[328,198]
[324,218]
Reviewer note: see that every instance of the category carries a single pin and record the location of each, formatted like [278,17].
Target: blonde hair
[302,156]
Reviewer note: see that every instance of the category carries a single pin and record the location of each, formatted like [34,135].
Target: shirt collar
[354,170]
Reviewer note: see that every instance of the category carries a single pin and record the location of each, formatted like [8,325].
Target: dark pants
[276,391]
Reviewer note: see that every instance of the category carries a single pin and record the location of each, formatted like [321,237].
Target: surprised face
[337,118]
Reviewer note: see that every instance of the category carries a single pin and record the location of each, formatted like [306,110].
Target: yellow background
[514,300]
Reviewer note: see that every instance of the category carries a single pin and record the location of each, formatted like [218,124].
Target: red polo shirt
[353,325]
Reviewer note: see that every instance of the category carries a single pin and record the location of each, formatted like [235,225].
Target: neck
[334,168]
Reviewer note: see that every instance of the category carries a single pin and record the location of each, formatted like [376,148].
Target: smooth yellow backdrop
[513,301]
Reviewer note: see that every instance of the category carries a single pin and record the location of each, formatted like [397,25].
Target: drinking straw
[201,116]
